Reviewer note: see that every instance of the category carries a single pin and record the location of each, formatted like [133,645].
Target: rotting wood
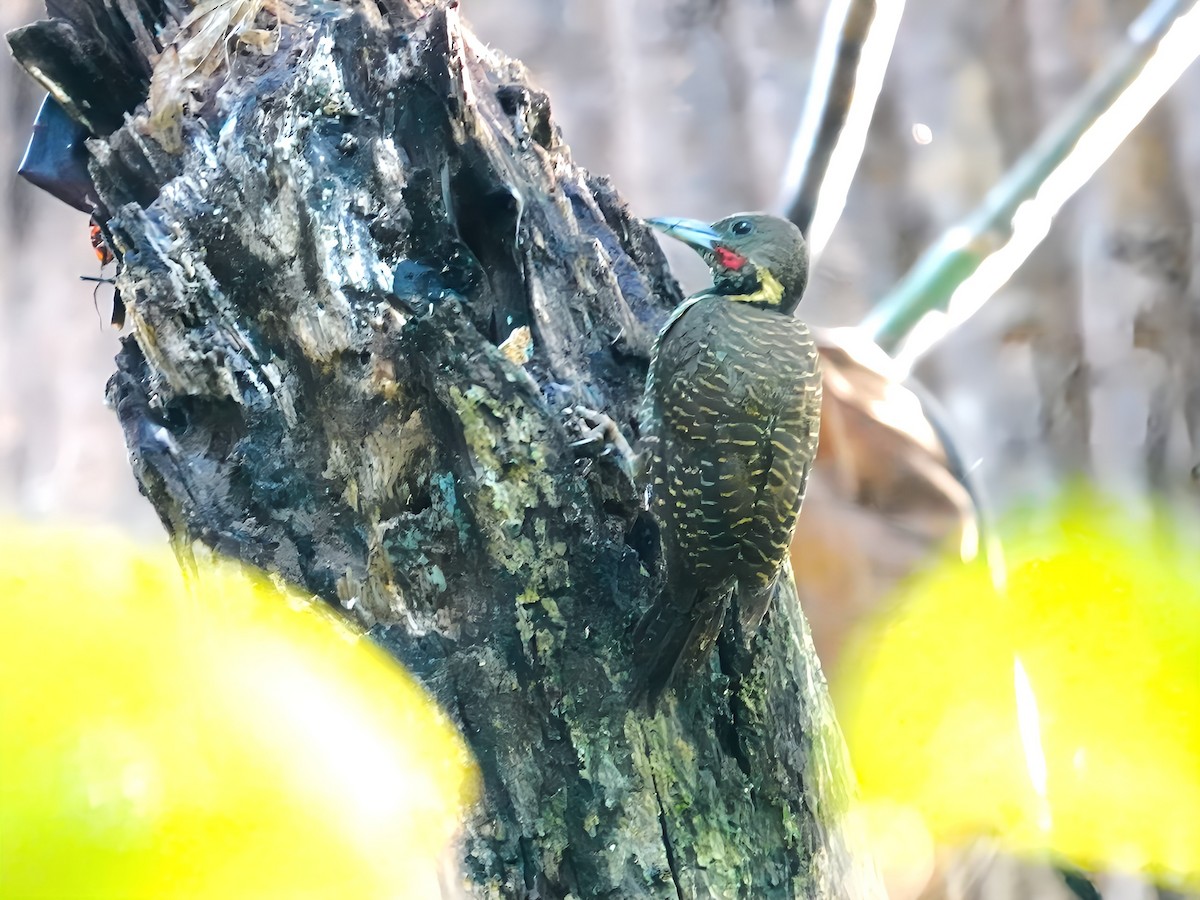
[320,268]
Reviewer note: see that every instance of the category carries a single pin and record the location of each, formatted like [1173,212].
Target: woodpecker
[730,412]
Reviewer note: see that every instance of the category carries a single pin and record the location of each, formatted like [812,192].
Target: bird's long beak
[692,232]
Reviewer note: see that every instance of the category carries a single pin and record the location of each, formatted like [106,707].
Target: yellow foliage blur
[1058,713]
[219,739]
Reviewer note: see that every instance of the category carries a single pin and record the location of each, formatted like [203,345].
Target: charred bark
[364,278]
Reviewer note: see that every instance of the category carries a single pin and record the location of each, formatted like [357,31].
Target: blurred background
[1083,366]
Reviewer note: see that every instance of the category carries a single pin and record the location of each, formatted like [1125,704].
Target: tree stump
[364,280]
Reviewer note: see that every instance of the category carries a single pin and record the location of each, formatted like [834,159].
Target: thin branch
[853,52]
[1003,230]
[843,32]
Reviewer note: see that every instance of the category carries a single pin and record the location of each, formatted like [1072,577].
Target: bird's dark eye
[742,227]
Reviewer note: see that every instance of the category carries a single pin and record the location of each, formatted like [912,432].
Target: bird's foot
[600,436]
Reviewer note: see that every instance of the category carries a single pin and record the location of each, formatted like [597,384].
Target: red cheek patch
[728,259]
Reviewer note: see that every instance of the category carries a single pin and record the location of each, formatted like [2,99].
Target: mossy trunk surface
[329,253]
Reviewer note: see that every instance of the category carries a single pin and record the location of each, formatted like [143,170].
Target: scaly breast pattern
[734,402]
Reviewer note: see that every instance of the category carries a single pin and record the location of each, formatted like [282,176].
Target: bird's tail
[675,636]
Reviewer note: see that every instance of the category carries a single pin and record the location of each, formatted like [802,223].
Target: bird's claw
[599,430]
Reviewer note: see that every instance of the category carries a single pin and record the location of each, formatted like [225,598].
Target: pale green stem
[932,281]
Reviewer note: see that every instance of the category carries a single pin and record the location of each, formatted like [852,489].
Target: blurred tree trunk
[1137,312]
[332,285]
[1051,322]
